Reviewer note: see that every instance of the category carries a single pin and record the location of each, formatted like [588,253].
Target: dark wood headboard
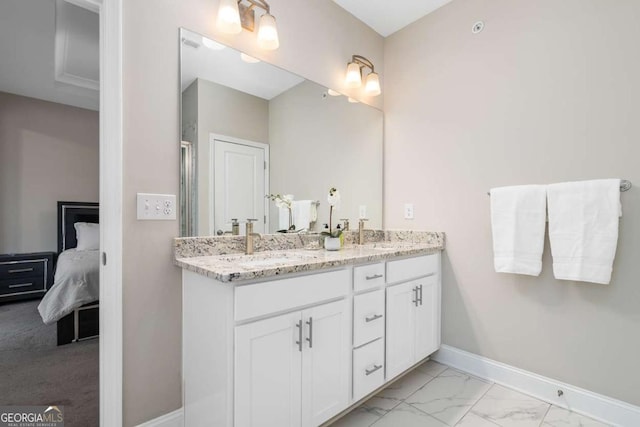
[68,214]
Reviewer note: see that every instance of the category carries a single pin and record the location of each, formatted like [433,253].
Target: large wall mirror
[250,129]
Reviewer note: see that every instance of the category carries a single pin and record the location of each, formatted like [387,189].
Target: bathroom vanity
[294,337]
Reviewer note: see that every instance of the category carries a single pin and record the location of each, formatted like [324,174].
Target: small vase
[332,243]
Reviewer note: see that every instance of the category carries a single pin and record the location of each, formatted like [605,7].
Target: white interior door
[240,183]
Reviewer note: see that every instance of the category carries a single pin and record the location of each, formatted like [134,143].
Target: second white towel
[518,217]
[583,229]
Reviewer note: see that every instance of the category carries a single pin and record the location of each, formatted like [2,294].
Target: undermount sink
[269,259]
[269,262]
[388,246]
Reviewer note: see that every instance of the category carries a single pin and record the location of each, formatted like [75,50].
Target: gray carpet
[34,371]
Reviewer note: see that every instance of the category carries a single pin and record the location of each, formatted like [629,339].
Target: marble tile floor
[434,395]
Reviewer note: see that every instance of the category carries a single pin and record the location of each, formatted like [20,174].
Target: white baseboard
[172,419]
[597,406]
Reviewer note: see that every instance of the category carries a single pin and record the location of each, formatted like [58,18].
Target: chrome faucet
[249,235]
[361,230]
[346,224]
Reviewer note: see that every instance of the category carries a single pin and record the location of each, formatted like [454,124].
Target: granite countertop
[238,267]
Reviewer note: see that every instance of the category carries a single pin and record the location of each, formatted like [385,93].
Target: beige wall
[48,153]
[321,142]
[317,39]
[548,92]
[228,112]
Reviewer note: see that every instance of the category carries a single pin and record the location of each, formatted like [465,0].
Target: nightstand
[24,276]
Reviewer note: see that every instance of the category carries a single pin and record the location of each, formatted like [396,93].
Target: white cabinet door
[325,362]
[268,372]
[427,317]
[400,328]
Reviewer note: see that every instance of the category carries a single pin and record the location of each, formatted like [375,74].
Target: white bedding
[76,283]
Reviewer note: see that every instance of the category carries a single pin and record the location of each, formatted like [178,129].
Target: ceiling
[388,16]
[224,66]
[50,51]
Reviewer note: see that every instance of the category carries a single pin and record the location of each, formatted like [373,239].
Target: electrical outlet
[408,211]
[362,211]
[156,206]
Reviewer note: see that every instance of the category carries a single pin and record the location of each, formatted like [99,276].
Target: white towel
[518,216]
[283,218]
[583,229]
[302,213]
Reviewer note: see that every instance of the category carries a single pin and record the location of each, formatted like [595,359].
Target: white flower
[284,201]
[334,198]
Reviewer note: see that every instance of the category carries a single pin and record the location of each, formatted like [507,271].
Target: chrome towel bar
[625,185]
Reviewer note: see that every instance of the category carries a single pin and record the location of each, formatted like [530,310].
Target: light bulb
[372,85]
[353,78]
[248,59]
[268,33]
[228,20]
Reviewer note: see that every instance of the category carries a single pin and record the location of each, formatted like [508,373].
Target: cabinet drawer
[410,268]
[368,276]
[19,269]
[279,295]
[368,317]
[368,368]
[22,285]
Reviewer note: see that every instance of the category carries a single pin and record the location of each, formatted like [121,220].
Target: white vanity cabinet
[413,312]
[296,351]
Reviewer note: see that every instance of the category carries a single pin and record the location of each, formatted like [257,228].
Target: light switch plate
[156,206]
[408,211]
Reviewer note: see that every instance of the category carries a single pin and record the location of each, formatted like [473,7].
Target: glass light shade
[268,33]
[352,100]
[228,20]
[372,85]
[353,78]
[333,92]
[248,59]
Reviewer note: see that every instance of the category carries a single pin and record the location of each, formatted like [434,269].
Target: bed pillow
[87,235]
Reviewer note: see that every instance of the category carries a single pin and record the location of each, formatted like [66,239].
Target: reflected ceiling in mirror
[250,129]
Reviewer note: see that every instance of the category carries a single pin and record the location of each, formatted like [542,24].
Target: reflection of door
[240,182]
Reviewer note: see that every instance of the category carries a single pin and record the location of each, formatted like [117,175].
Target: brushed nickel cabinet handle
[21,270]
[375,276]
[310,339]
[372,318]
[299,342]
[368,372]
[415,296]
[20,285]
[420,294]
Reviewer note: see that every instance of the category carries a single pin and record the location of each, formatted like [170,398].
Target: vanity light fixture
[234,15]
[353,78]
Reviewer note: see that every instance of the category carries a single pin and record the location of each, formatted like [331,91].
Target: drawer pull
[419,292]
[371,371]
[20,285]
[375,276]
[372,318]
[21,270]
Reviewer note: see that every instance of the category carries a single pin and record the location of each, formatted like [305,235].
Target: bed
[72,301]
